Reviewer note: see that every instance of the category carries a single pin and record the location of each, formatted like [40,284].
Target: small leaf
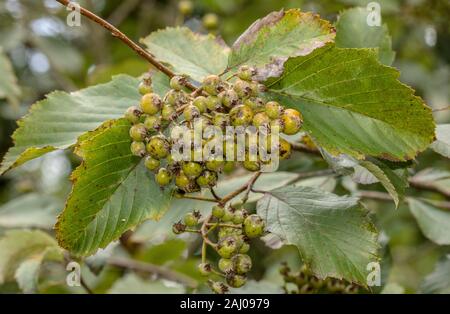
[112,192]
[8,81]
[332,233]
[439,280]
[353,31]
[188,53]
[353,105]
[434,223]
[270,41]
[442,143]
[57,121]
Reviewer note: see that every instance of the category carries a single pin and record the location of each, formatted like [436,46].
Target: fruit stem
[246,187]
[201,198]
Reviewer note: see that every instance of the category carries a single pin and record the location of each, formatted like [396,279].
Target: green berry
[204,269]
[213,103]
[221,120]
[242,263]
[254,226]
[200,103]
[228,246]
[229,167]
[212,85]
[238,217]
[229,98]
[217,287]
[218,211]
[225,265]
[246,73]
[145,88]
[241,115]
[133,114]
[244,248]
[138,149]
[214,165]
[153,123]
[292,121]
[138,132]
[210,21]
[285,149]
[251,165]
[191,112]
[243,88]
[236,281]
[168,112]
[207,179]
[152,163]
[257,104]
[261,119]
[177,82]
[192,169]
[228,214]
[151,103]
[277,123]
[163,177]
[185,7]
[182,181]
[273,109]
[191,219]
[158,147]
[228,231]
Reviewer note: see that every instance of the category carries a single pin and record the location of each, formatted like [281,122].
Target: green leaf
[434,223]
[30,210]
[442,143]
[8,81]
[18,249]
[188,53]
[353,31]
[351,104]
[439,280]
[112,192]
[133,284]
[332,233]
[270,41]
[57,121]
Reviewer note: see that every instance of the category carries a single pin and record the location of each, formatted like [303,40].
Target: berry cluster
[306,283]
[233,229]
[219,105]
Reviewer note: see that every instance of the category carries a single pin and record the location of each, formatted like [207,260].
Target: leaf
[8,81]
[22,252]
[132,284]
[434,223]
[433,178]
[270,41]
[442,143]
[188,53]
[353,31]
[57,121]
[112,192]
[332,233]
[439,280]
[160,254]
[30,210]
[353,105]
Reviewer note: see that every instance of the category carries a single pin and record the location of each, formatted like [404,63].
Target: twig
[201,198]
[117,33]
[153,269]
[250,185]
[243,188]
[204,232]
[441,109]
[214,194]
[428,187]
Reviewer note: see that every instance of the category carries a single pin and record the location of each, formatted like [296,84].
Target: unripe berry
[138,149]
[228,214]
[236,281]
[244,248]
[133,114]
[238,217]
[251,165]
[151,163]
[273,109]
[214,165]
[242,263]
[185,7]
[151,103]
[277,123]
[163,177]
[256,103]
[177,82]
[192,169]
[217,287]
[285,149]
[229,167]
[221,120]
[144,88]
[213,103]
[207,179]
[158,147]
[204,269]
[229,98]
[228,231]
[191,219]
[218,211]
[168,112]
[243,89]
[261,119]
[182,181]
[153,123]
[228,246]
[254,226]
[191,112]
[212,85]
[292,121]
[210,21]
[241,115]
[138,132]
[246,73]
[200,102]
[225,265]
